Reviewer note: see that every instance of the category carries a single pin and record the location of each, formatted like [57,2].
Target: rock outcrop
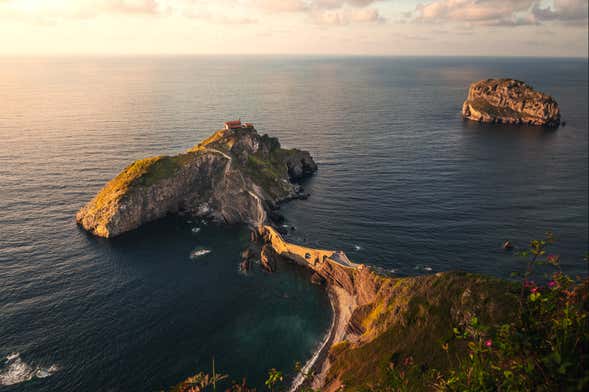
[385,318]
[508,101]
[234,176]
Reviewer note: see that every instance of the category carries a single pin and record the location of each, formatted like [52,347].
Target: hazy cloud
[327,12]
[500,12]
[280,5]
[308,5]
[563,10]
[132,6]
[346,16]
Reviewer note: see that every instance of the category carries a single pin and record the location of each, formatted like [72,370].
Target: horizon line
[333,55]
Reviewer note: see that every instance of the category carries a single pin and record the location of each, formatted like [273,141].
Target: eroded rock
[509,101]
[234,176]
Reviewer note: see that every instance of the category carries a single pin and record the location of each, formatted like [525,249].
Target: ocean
[404,184]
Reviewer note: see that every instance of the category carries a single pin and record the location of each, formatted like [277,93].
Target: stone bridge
[310,257]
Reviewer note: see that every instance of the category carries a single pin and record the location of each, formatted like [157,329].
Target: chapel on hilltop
[236,124]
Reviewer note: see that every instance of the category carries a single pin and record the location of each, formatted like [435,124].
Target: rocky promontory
[234,176]
[509,101]
[379,318]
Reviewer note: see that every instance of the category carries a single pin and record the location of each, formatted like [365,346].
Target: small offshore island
[509,101]
[380,322]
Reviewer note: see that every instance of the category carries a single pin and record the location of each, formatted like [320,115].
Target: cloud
[562,10]
[324,12]
[307,5]
[280,5]
[205,15]
[132,6]
[474,11]
[500,12]
[346,16]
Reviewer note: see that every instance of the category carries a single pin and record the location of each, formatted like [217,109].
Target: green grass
[141,173]
[269,169]
[418,330]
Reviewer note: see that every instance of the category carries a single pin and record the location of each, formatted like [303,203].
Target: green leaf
[474,321]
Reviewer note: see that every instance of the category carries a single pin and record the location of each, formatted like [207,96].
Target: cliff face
[381,319]
[508,101]
[234,176]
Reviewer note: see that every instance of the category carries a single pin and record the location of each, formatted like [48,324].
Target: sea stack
[509,101]
[234,176]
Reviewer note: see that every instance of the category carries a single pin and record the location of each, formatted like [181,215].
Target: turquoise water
[403,184]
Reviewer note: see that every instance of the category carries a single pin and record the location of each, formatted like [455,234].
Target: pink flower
[553,259]
[489,343]
[551,284]
[529,283]
[534,290]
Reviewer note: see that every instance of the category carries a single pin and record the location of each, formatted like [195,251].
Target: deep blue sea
[403,184]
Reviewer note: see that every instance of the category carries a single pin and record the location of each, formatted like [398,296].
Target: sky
[319,27]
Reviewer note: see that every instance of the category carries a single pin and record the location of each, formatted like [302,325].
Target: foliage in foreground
[544,347]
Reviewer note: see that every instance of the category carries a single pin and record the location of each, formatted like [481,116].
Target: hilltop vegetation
[462,332]
[233,176]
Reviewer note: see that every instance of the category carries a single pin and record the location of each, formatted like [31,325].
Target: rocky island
[387,332]
[509,101]
[234,176]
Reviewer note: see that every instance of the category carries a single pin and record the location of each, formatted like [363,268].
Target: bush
[544,349]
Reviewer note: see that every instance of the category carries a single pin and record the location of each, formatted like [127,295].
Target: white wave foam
[199,252]
[301,377]
[46,372]
[18,371]
[12,356]
[357,247]
[195,230]
[423,268]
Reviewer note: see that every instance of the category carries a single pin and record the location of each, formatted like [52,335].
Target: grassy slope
[267,168]
[414,317]
[141,173]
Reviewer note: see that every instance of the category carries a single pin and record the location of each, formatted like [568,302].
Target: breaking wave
[17,371]
[199,252]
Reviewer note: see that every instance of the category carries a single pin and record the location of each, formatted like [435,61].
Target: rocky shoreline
[342,313]
[238,176]
[370,306]
[332,269]
[234,176]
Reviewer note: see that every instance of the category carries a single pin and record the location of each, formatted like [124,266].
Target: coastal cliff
[508,101]
[234,176]
[381,319]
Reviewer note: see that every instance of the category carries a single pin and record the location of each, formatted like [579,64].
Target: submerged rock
[234,176]
[508,101]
